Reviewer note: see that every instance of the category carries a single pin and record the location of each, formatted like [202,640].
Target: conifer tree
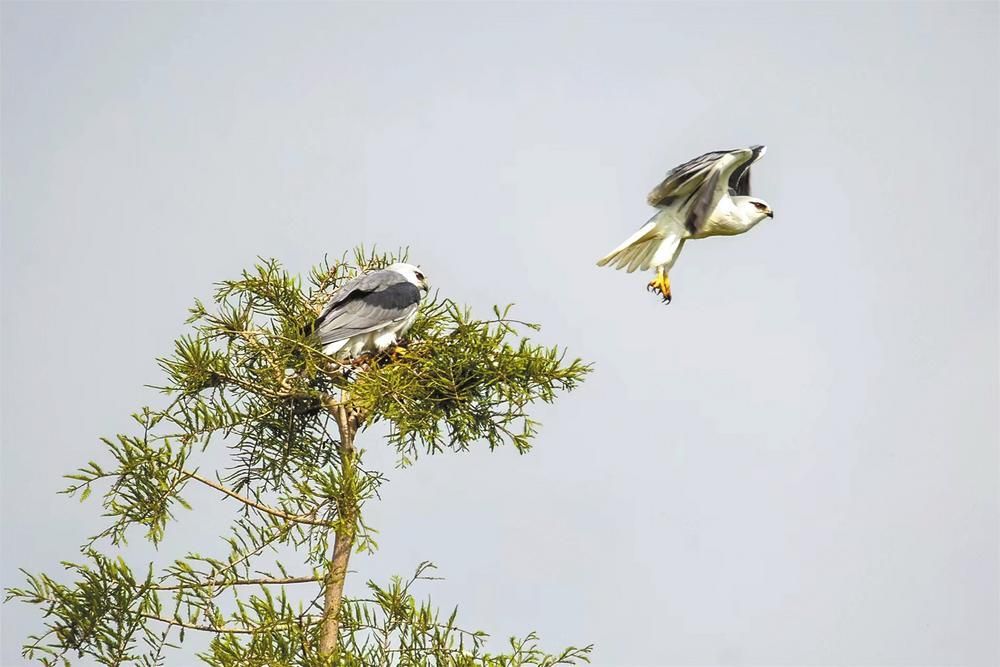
[248,379]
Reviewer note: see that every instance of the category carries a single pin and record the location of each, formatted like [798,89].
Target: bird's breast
[724,221]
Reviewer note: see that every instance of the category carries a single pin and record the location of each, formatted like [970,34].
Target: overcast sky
[795,463]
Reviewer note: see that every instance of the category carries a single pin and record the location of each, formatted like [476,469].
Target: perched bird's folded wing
[366,304]
[684,180]
[368,282]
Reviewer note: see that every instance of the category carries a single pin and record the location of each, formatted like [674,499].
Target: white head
[752,210]
[413,274]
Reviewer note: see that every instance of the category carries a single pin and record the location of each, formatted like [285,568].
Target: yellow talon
[661,285]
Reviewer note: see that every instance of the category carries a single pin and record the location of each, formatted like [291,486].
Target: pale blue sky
[795,463]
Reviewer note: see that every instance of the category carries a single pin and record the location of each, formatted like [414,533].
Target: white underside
[373,341]
[658,243]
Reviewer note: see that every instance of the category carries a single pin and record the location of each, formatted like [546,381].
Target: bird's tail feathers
[636,252]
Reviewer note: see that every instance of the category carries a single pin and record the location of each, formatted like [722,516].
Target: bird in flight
[706,196]
[371,312]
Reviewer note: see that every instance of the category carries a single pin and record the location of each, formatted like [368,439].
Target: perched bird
[707,196]
[371,312]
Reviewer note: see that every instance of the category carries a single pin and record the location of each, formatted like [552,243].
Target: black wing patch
[705,204]
[365,308]
[683,179]
[739,182]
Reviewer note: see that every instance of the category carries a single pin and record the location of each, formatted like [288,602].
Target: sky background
[795,463]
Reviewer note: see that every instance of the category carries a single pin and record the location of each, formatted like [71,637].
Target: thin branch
[203,628]
[297,518]
[267,334]
[507,320]
[248,555]
[264,581]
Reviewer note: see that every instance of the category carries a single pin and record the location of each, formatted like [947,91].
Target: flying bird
[706,196]
[371,312]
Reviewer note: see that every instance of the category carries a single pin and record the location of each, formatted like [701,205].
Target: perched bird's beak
[770,214]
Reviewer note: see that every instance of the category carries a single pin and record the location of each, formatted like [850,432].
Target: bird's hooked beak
[769,213]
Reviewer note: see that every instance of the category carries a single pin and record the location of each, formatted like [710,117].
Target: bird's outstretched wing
[706,199]
[365,304]
[684,180]
[717,183]
[739,182]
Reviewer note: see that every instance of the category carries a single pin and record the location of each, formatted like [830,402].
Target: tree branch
[202,628]
[263,581]
[297,518]
[333,594]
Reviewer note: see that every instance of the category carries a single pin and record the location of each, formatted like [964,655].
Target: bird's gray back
[365,304]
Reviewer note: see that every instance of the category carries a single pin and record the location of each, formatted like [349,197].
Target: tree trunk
[333,595]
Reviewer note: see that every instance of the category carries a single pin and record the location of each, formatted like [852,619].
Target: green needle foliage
[248,379]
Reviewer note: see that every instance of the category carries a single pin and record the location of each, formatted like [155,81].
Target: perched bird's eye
[760,206]
[419,275]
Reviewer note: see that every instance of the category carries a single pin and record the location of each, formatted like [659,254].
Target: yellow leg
[661,285]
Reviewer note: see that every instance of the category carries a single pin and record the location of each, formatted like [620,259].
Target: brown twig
[297,518]
[264,581]
[203,628]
